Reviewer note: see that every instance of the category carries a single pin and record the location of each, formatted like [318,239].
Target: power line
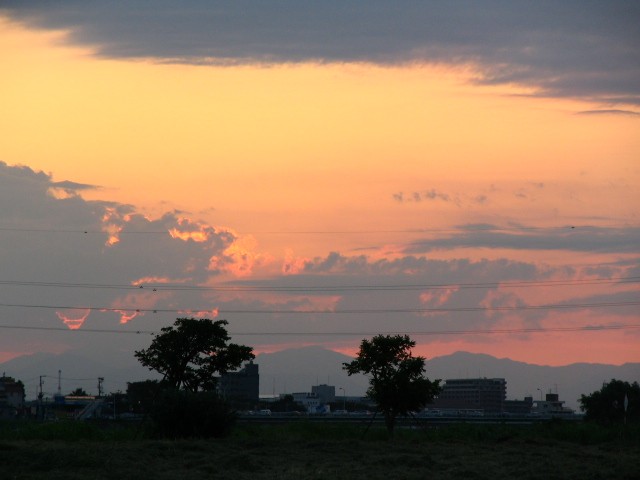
[332,312]
[79,330]
[588,328]
[438,310]
[330,288]
[454,332]
[81,231]
[460,229]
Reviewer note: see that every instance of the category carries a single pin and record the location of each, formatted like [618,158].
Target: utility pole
[40,396]
[100,380]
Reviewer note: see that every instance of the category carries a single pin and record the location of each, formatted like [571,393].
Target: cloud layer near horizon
[576,49]
[61,251]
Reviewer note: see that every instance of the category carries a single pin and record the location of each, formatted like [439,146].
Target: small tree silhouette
[397,382]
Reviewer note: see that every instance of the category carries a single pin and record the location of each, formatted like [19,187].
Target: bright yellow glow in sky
[294,138]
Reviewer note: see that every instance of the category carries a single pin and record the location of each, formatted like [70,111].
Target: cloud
[74,322]
[365,296]
[582,239]
[73,186]
[428,195]
[95,265]
[574,48]
[469,199]
[89,262]
[66,189]
[626,113]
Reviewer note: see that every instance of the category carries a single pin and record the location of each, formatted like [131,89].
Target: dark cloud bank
[578,49]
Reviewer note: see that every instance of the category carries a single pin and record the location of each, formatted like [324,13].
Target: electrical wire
[331,312]
[79,330]
[461,229]
[331,288]
[587,328]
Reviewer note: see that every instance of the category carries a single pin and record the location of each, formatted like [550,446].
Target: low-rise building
[519,407]
[477,394]
[311,402]
[551,406]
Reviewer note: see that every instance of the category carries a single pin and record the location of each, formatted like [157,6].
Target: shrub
[183,414]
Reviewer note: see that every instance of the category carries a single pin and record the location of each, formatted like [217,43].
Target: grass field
[304,451]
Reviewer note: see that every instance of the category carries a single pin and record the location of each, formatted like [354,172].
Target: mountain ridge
[298,369]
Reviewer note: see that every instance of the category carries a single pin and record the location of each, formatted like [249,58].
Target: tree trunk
[390,422]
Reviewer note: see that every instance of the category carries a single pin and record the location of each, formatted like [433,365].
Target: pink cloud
[132,305]
[293,265]
[213,313]
[74,322]
[127,315]
[112,222]
[436,298]
[240,258]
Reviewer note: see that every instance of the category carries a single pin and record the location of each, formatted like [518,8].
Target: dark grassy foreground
[305,451]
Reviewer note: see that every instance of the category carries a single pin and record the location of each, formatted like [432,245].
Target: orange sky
[332,148]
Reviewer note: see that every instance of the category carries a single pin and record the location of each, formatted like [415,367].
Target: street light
[344,399]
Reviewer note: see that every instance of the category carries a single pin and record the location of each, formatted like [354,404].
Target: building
[311,402]
[519,407]
[326,393]
[241,388]
[11,397]
[479,394]
[551,406]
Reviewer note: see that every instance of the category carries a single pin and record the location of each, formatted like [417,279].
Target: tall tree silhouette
[192,353]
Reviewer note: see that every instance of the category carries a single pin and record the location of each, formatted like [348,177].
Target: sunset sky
[467,173]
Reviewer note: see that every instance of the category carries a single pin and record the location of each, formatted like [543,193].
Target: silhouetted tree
[79,392]
[397,383]
[607,404]
[191,353]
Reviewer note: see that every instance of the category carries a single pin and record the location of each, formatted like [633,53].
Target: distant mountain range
[76,371]
[297,370]
[570,381]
